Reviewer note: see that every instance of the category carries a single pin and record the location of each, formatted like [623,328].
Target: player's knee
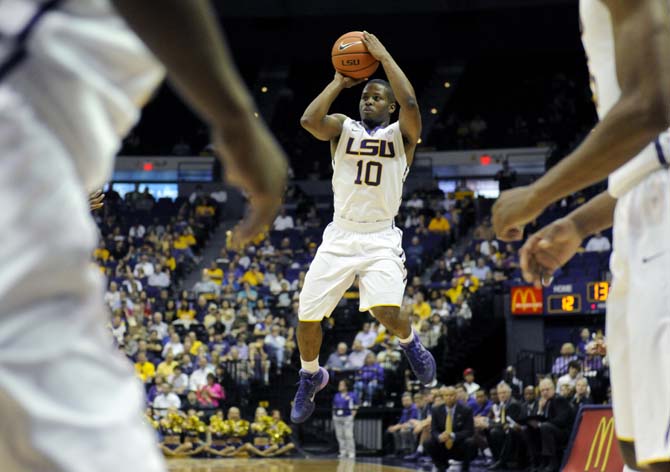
[387,314]
[628,454]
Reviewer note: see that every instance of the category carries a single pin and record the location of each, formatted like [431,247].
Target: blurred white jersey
[598,40]
[369,169]
[82,70]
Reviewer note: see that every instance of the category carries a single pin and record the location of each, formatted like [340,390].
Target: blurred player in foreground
[73,77]
[628,45]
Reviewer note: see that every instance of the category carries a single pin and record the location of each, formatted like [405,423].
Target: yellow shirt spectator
[454,292]
[197,344]
[215,273]
[253,276]
[144,369]
[469,281]
[439,224]
[422,310]
[185,314]
[171,263]
[166,368]
[101,254]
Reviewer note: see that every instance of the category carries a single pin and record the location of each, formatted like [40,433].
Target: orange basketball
[351,57]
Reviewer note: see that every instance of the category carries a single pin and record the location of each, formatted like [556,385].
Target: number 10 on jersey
[373,173]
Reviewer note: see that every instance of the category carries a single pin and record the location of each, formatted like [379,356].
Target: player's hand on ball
[512,211]
[548,250]
[255,163]
[375,46]
[347,82]
[95,200]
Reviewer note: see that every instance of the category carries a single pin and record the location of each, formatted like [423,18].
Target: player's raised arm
[316,119]
[185,37]
[642,48]
[410,116]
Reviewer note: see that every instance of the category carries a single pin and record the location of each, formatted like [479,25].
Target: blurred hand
[255,163]
[513,210]
[375,46]
[95,200]
[549,249]
[347,82]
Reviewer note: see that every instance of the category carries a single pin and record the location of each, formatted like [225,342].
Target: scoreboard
[588,297]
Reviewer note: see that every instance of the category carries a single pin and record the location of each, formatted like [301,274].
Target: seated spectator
[441,274]
[145,266]
[441,308]
[113,296]
[562,362]
[584,340]
[247,293]
[166,368]
[452,432]
[454,291]
[160,278]
[414,253]
[462,311]
[338,360]
[468,281]
[471,387]
[390,357]
[211,393]
[158,325]
[481,271]
[489,247]
[215,273]
[439,224]
[178,380]
[548,428]
[283,221]
[582,394]
[428,335]
[402,432]
[357,355]
[369,380]
[118,328]
[598,243]
[421,308]
[262,328]
[206,286]
[198,378]
[482,405]
[267,249]
[145,370]
[166,399]
[505,432]
[593,362]
[367,335]
[253,276]
[414,202]
[574,370]
[173,345]
[275,344]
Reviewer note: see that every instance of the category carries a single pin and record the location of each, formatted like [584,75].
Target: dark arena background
[503,91]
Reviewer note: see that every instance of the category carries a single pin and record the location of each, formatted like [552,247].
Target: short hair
[575,364]
[390,96]
[407,394]
[504,386]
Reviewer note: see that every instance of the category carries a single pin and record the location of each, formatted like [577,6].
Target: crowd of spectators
[508,427]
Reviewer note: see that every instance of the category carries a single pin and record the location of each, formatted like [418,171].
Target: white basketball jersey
[598,40]
[369,169]
[83,72]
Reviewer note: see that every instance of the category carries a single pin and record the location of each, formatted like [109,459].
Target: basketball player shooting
[72,79]
[370,159]
[628,45]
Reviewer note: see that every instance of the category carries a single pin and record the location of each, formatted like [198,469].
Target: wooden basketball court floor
[277,465]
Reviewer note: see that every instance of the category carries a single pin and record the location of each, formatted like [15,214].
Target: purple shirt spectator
[343,406]
[409,413]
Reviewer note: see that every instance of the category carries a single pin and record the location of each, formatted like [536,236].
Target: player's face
[374,105]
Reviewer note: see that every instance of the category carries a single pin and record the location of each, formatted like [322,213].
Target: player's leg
[61,378]
[329,275]
[649,319]
[618,345]
[382,285]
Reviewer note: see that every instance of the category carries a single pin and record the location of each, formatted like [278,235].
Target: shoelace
[301,398]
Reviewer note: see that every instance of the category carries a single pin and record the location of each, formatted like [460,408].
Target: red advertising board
[594,445]
[526,300]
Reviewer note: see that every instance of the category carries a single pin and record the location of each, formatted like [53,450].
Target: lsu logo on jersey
[371,147]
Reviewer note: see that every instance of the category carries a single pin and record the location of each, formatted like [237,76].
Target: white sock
[420,449]
[408,339]
[310,366]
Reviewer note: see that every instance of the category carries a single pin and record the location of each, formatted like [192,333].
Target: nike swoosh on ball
[344,46]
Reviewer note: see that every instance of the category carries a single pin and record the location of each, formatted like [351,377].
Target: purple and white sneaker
[309,385]
[421,361]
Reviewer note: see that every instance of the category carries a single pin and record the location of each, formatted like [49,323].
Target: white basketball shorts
[638,318]
[376,258]
[69,402]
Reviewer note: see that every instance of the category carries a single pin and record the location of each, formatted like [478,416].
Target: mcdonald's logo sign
[526,301]
[593,445]
[601,446]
